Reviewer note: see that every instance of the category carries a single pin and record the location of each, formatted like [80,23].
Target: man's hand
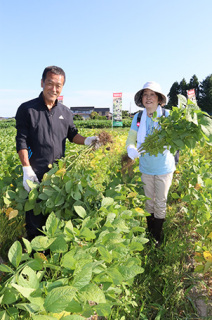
[90,140]
[28,174]
[132,152]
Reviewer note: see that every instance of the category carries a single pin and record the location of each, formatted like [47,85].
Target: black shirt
[43,132]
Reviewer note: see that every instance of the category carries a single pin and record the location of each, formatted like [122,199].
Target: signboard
[60,99]
[191,95]
[117,109]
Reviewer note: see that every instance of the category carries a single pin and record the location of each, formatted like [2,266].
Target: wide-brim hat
[154,86]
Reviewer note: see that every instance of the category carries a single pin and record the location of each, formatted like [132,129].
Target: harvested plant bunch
[186,125]
[126,164]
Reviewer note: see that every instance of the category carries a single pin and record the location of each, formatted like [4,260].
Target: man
[43,125]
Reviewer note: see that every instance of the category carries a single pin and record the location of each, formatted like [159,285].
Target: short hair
[160,97]
[55,70]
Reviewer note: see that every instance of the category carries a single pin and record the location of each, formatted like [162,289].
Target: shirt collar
[43,102]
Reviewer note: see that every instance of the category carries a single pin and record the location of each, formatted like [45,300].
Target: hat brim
[138,98]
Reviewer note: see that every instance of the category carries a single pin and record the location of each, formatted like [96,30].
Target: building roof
[81,108]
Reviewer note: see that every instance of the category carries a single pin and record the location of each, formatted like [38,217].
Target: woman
[157,171]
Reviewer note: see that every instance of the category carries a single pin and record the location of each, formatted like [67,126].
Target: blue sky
[104,46]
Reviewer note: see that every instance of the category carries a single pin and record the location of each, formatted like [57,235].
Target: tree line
[203,92]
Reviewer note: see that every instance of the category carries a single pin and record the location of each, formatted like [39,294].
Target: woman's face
[150,100]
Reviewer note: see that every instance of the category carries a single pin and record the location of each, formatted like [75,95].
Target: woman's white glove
[90,140]
[28,174]
[132,152]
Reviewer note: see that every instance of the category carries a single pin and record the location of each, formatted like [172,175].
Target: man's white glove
[132,152]
[90,140]
[28,174]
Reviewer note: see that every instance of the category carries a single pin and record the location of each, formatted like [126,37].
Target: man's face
[52,87]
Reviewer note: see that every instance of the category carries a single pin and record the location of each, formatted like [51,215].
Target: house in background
[86,111]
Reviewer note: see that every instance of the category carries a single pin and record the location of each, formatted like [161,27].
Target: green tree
[183,87]
[205,95]
[172,95]
[94,115]
[125,114]
[78,117]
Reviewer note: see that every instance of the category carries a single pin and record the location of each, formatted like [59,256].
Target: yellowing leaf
[61,314]
[208,256]
[139,210]
[60,172]
[132,195]
[11,213]
[210,235]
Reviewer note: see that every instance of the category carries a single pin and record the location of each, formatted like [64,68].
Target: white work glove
[90,140]
[28,174]
[132,152]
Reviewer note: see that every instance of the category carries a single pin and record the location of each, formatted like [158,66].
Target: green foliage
[78,117]
[183,128]
[104,238]
[205,100]
[91,260]
[100,123]
[7,123]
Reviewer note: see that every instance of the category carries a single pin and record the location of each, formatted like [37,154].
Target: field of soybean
[94,259]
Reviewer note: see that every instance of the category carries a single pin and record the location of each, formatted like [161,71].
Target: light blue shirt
[154,165]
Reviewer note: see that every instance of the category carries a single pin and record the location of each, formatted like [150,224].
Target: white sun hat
[154,86]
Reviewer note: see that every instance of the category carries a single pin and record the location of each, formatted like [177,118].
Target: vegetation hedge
[78,123]
[100,123]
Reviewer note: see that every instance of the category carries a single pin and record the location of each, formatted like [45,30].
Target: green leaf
[130,272]
[43,196]
[80,211]
[27,245]
[73,317]
[69,230]
[136,246]
[24,291]
[105,254]
[69,186]
[92,292]
[106,202]
[10,296]
[4,315]
[29,205]
[52,223]
[115,275]
[41,243]
[43,317]
[59,245]
[28,278]
[175,195]
[32,184]
[87,234]
[5,268]
[103,309]
[74,307]
[57,299]
[15,254]
[83,277]
[68,261]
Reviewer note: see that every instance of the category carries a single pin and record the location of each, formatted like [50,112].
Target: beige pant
[157,188]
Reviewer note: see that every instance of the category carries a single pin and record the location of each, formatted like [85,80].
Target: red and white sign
[192,95]
[117,95]
[60,99]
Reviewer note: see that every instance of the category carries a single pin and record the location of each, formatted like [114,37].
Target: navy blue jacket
[43,132]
